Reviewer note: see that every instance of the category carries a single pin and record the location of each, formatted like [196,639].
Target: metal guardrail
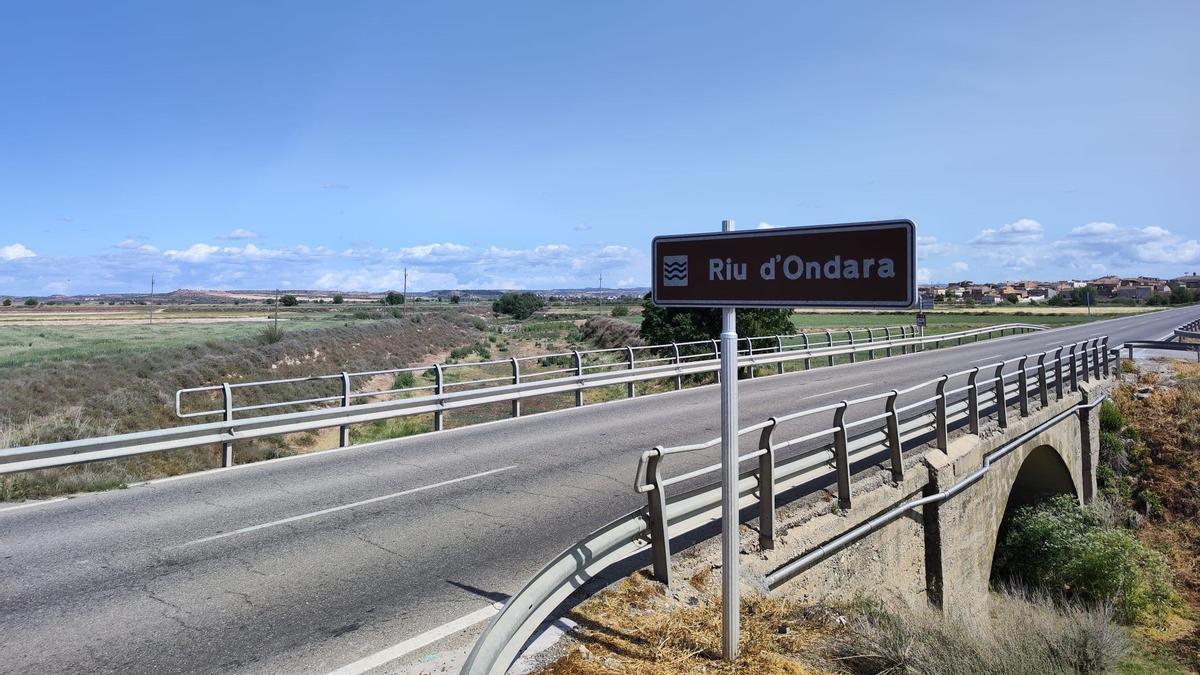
[1188,331]
[525,368]
[227,432]
[834,448]
[1161,345]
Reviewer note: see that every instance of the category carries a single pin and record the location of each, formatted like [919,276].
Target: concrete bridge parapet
[941,552]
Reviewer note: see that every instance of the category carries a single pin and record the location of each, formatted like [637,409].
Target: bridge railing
[1188,331]
[823,443]
[232,429]
[189,401]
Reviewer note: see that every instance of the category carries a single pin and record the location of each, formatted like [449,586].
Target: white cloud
[240,233]
[195,253]
[16,252]
[765,226]
[1124,246]
[959,266]
[582,228]
[136,245]
[57,287]
[924,275]
[931,246]
[1023,231]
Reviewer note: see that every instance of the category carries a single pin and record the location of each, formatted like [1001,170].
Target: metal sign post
[730,539]
[850,265]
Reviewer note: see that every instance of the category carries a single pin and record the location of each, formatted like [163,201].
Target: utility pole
[276,311]
[151,313]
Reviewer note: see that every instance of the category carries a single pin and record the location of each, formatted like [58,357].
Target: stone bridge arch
[1059,460]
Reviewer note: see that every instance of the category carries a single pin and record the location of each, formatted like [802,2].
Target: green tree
[454,299]
[518,305]
[620,310]
[1182,295]
[661,325]
[30,302]
[393,298]
[8,302]
[338,299]
[289,301]
[1012,298]
[1084,296]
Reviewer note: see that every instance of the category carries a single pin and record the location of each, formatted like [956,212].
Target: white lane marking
[987,358]
[343,507]
[414,643]
[837,391]
[27,505]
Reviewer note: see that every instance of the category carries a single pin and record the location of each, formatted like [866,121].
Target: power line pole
[151,299]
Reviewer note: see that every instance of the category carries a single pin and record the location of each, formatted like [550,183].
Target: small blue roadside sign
[920,319]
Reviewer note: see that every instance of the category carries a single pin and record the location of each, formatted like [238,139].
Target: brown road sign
[851,265]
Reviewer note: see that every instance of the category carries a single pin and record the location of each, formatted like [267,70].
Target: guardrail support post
[973,401]
[516,370]
[750,352]
[1074,370]
[766,488]
[894,442]
[439,386]
[1058,374]
[630,388]
[940,422]
[579,373]
[1086,364]
[344,430]
[779,350]
[1001,398]
[717,355]
[1107,356]
[1023,385]
[660,538]
[227,448]
[807,360]
[889,340]
[829,337]
[850,338]
[870,343]
[841,456]
[1043,384]
[1096,358]
[678,360]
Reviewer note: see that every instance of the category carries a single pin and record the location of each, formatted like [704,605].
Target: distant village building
[1187,281]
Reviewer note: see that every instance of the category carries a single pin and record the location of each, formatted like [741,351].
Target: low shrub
[1063,548]
[404,381]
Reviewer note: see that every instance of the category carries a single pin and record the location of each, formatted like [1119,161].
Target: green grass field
[22,344]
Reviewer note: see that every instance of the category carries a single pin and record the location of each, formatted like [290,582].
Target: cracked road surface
[410,534]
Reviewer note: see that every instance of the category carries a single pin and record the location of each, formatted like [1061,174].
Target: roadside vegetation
[635,628]
[65,399]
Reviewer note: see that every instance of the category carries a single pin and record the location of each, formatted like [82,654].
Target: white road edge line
[343,507]
[838,391]
[417,642]
[36,503]
[987,358]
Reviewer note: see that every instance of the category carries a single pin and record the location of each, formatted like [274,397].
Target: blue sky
[540,144]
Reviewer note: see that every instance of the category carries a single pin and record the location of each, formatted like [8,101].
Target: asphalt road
[311,563]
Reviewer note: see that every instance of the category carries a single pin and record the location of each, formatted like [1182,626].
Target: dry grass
[634,629]
[1028,633]
[1168,429]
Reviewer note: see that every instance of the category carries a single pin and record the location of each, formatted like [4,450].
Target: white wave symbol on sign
[675,270]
